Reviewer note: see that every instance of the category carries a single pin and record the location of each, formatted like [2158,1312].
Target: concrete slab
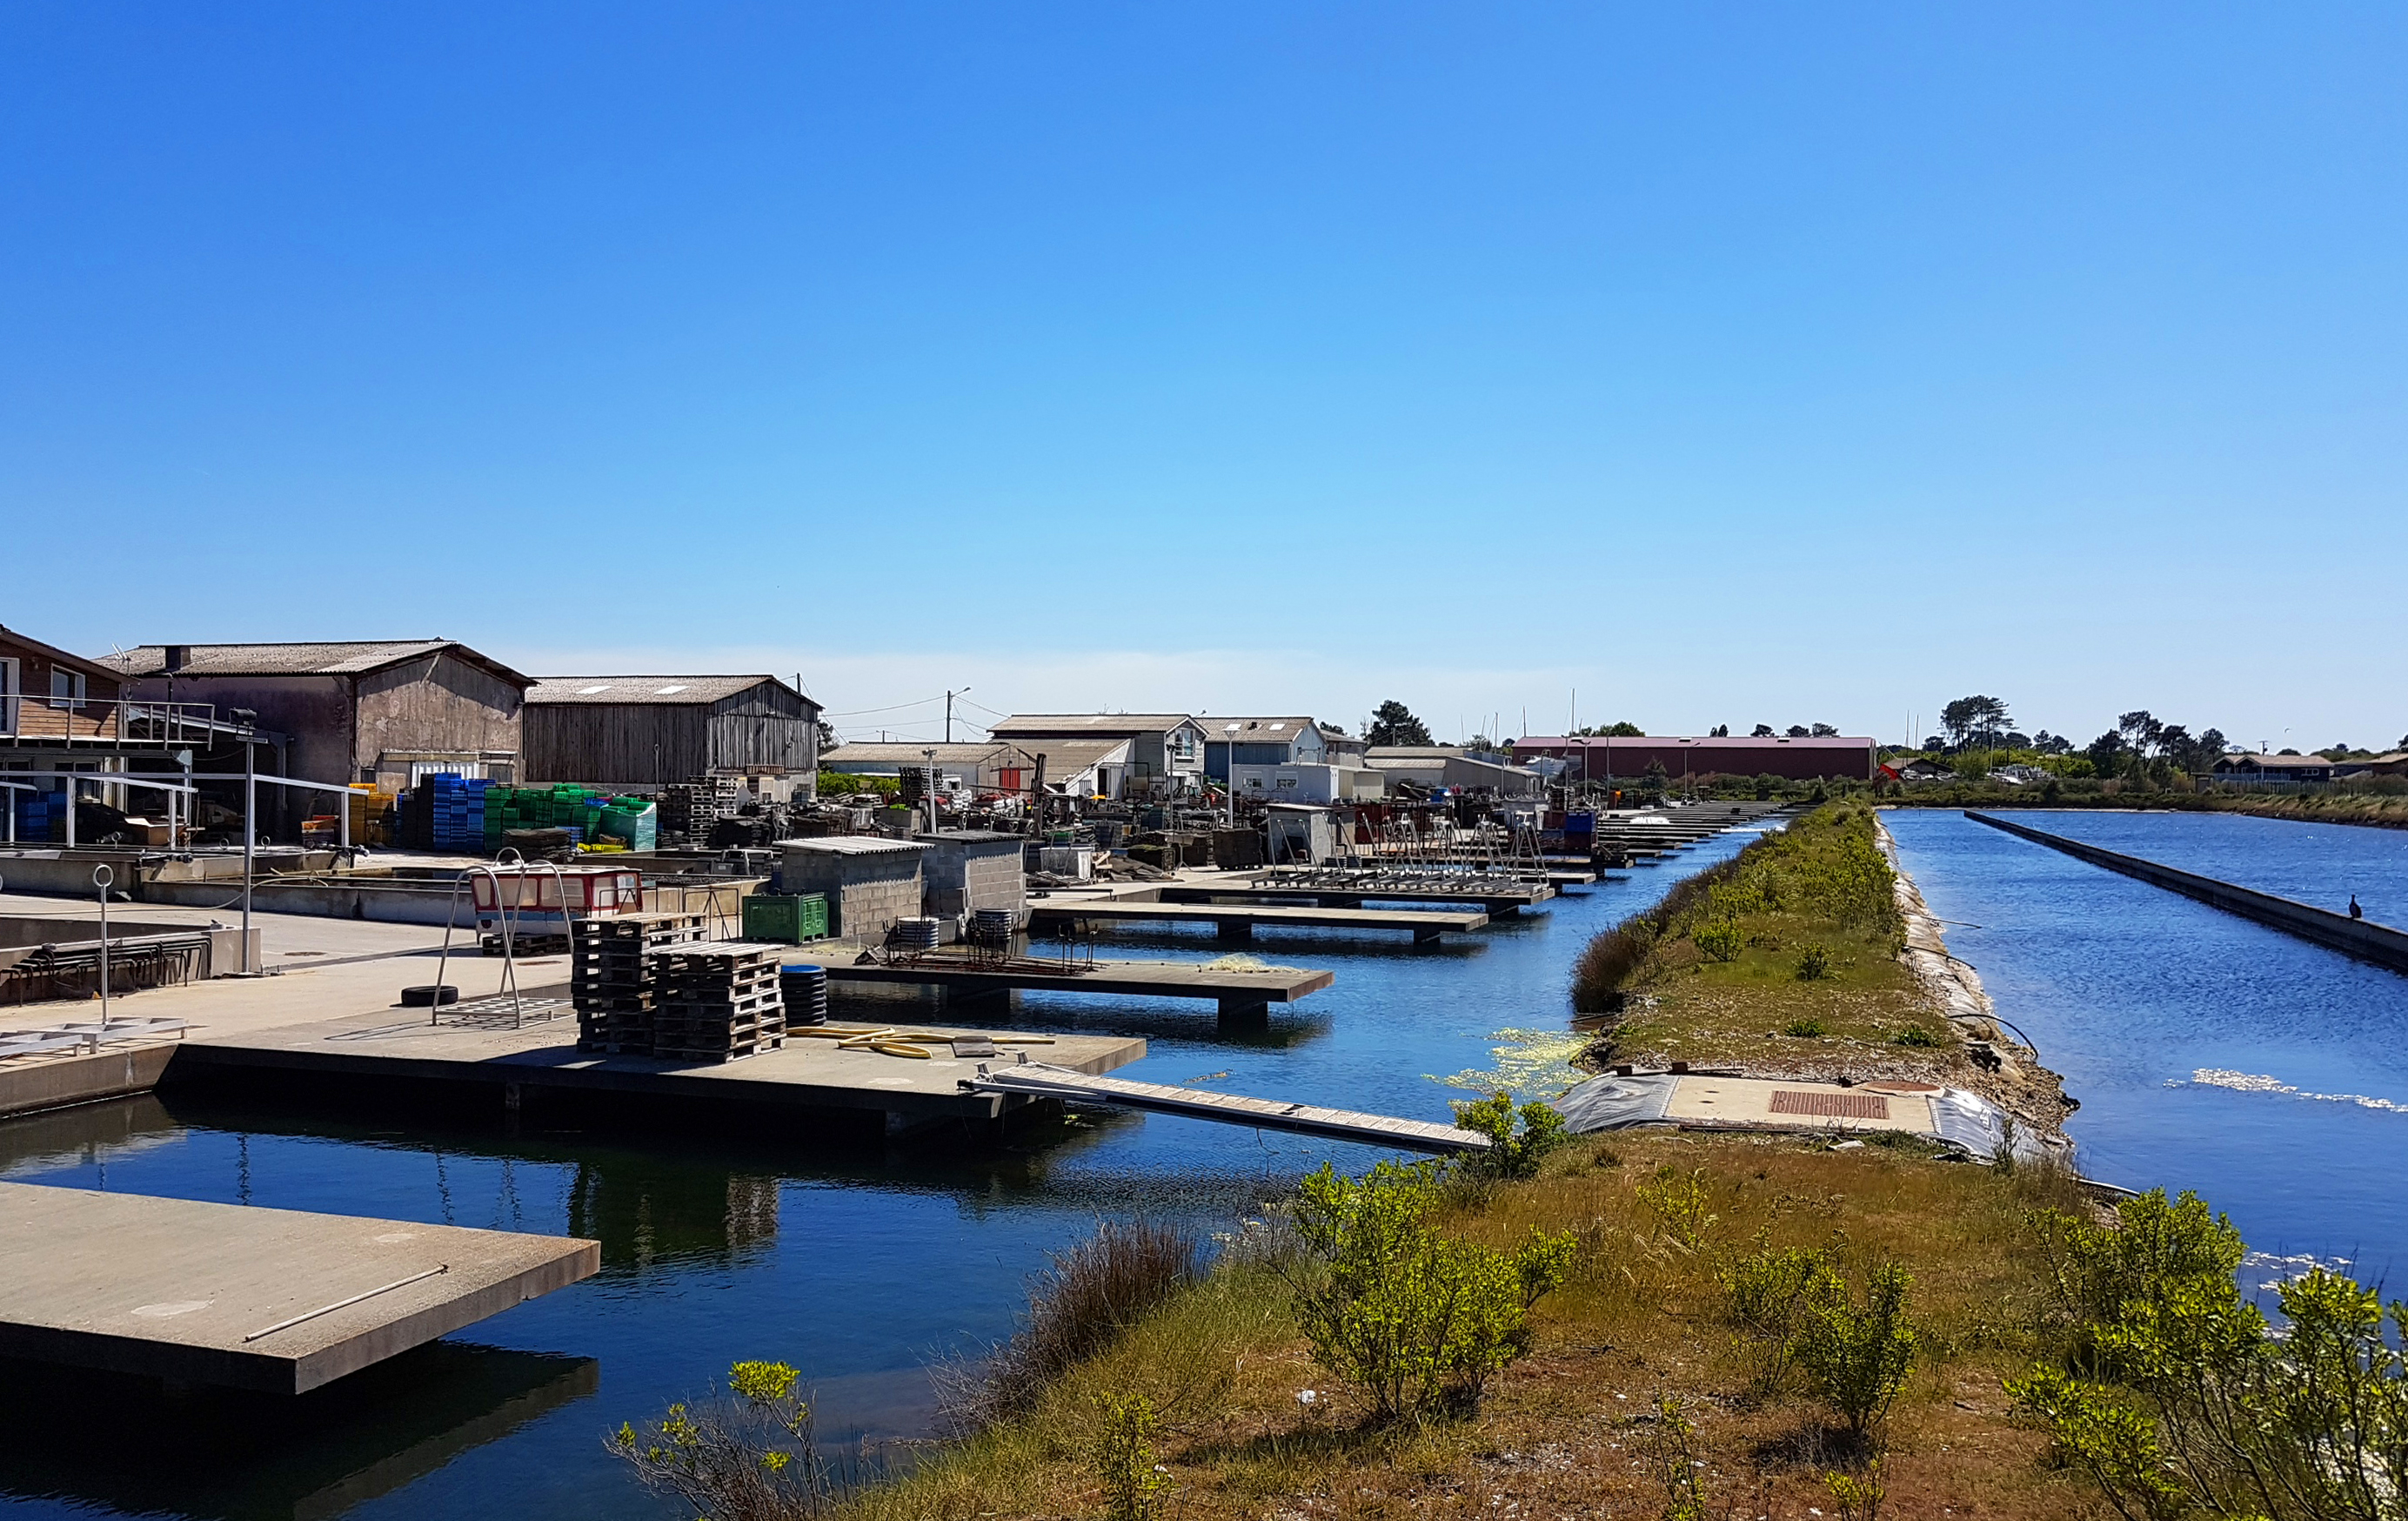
[1236,988]
[1769,1104]
[276,1301]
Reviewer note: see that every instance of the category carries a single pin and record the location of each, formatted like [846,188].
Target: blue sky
[1738,364]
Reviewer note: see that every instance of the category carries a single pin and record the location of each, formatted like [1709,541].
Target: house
[2243,765]
[377,711]
[1274,741]
[2391,763]
[649,731]
[1165,751]
[1799,758]
[986,767]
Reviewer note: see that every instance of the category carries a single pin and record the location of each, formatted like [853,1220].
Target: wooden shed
[649,731]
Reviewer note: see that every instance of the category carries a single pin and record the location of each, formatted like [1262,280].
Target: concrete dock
[1237,922]
[488,1061]
[1238,990]
[275,1301]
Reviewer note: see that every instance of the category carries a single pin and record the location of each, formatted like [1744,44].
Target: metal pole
[250,835]
[101,877]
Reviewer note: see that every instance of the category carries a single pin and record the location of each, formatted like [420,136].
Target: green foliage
[1417,1320]
[1768,1296]
[745,1458]
[1135,1485]
[1858,1497]
[1393,723]
[1916,1036]
[1808,1028]
[839,784]
[2173,1394]
[1681,1203]
[1858,1353]
[1717,941]
[1813,961]
[1511,1153]
[1669,1458]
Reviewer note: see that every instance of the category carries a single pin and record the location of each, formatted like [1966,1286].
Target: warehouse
[649,731]
[1799,758]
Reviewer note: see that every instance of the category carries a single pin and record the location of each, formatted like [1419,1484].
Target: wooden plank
[1035,1078]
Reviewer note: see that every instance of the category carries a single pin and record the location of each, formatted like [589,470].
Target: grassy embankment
[1785,958]
[2379,801]
[1573,1428]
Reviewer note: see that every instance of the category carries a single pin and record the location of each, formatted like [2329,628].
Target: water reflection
[212,1455]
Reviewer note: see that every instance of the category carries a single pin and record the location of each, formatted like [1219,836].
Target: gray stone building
[869,880]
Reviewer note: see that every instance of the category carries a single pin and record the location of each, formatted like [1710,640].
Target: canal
[858,1268]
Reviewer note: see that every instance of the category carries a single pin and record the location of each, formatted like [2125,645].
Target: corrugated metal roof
[1024,725]
[1067,757]
[668,691]
[1260,731]
[853,845]
[888,752]
[1819,742]
[346,657]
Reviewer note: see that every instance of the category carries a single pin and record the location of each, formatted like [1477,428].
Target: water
[857,1268]
[2319,864]
[2179,1027]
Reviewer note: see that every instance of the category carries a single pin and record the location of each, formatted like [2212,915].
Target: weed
[1857,1497]
[748,1456]
[1670,1460]
[1808,1028]
[1769,1295]
[1813,961]
[1083,1299]
[1717,941]
[1680,1201]
[1916,1036]
[1858,1353]
[1135,1485]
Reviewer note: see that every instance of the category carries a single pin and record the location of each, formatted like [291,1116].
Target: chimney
[177,655]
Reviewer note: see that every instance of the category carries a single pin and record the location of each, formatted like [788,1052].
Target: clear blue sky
[1734,363]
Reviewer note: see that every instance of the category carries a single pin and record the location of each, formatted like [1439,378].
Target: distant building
[985,765]
[377,711]
[1447,765]
[649,731]
[2243,766]
[1165,751]
[1917,769]
[1298,741]
[1598,758]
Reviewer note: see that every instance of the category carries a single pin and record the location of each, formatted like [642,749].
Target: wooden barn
[649,731]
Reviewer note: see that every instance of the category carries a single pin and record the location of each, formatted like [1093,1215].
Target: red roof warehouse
[1798,759]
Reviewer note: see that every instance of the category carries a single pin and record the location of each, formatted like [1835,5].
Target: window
[8,696]
[66,688]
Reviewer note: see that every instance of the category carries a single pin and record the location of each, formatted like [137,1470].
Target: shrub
[1077,1305]
[1808,1028]
[1607,962]
[1509,1154]
[1717,943]
[1813,961]
[1858,1353]
[1915,1035]
[1769,1295]
[1680,1200]
[748,1456]
[1135,1485]
[1417,1320]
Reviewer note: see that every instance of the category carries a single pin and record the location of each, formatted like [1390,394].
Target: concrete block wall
[866,910]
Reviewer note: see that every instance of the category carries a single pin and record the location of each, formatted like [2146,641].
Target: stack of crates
[458,806]
[689,809]
[613,982]
[720,1000]
[563,805]
[41,816]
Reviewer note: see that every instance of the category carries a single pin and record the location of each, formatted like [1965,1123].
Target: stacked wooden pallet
[689,809]
[719,1001]
[612,981]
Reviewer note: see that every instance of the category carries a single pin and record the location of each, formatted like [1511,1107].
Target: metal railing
[101,723]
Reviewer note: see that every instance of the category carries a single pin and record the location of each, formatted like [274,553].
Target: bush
[1510,1155]
[1135,1485]
[1717,943]
[1916,1035]
[1417,1320]
[1813,961]
[1077,1305]
[1768,1296]
[1808,1028]
[1680,1200]
[1858,1355]
[1607,962]
[747,1457]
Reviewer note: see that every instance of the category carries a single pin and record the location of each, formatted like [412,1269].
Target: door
[8,693]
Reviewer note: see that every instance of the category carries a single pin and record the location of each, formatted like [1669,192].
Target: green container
[773,916]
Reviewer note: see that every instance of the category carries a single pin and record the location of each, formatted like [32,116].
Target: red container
[591,890]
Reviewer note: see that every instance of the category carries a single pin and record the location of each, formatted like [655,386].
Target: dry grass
[1565,1431]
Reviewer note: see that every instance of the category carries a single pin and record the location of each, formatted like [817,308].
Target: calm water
[2321,864]
[857,1268]
[2133,993]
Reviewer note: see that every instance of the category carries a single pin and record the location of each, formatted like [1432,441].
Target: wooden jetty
[1225,1108]
[1495,902]
[1238,990]
[490,1062]
[276,1301]
[1236,922]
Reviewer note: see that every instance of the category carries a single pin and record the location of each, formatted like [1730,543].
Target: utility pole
[949,714]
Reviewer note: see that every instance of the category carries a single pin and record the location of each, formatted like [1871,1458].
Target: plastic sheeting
[1974,1124]
[1616,1103]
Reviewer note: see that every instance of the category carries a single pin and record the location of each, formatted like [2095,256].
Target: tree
[1393,723]
[1975,720]
[1624,730]
[828,737]
[1797,731]
[1762,731]
[1720,731]
[2107,753]
[1826,731]
[2141,732]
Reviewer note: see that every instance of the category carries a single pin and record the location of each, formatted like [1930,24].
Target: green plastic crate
[773,916]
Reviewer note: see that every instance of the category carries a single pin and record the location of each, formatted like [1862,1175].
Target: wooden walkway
[270,1299]
[1237,921]
[1495,903]
[1034,1078]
